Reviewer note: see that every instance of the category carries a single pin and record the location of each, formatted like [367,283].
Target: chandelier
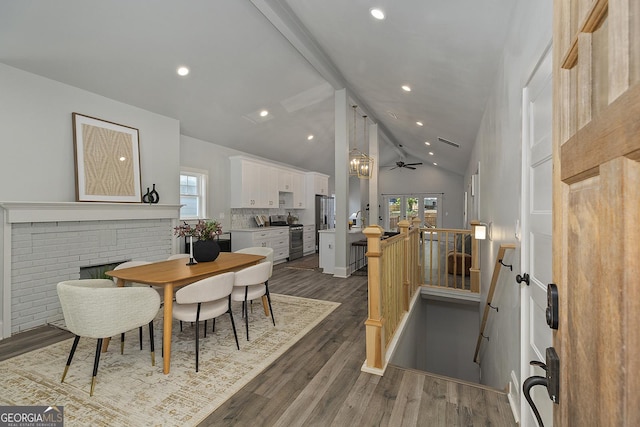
[360,164]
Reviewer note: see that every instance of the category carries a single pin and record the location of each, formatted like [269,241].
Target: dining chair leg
[71,353]
[213,329]
[269,299]
[233,325]
[96,361]
[246,314]
[140,336]
[153,352]
[205,329]
[197,335]
[181,326]
[122,343]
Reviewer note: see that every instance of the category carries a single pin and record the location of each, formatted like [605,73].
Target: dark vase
[154,197]
[205,250]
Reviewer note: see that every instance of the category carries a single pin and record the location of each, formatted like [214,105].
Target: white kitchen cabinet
[308,239]
[299,190]
[276,238]
[253,184]
[270,186]
[285,181]
[320,183]
[327,258]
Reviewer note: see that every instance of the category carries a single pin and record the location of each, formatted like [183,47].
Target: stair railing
[450,258]
[494,280]
[393,279]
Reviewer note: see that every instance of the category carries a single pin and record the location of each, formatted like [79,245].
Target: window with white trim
[193,193]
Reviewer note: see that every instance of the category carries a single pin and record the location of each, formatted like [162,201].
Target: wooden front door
[596,220]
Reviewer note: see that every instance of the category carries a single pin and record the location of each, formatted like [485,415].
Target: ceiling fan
[402,164]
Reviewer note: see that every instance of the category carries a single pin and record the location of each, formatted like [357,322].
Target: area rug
[131,392]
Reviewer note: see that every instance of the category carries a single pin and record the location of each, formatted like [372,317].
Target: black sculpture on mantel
[154,194]
[151,197]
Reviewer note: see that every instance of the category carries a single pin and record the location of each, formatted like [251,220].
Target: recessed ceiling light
[406,88]
[419,123]
[123,158]
[427,143]
[377,13]
[182,71]
[435,164]
[310,137]
[264,113]
[431,153]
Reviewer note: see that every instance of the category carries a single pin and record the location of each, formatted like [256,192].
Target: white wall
[36,138]
[428,179]
[213,158]
[498,151]
[440,338]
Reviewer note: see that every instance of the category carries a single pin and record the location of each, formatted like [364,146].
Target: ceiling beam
[289,25]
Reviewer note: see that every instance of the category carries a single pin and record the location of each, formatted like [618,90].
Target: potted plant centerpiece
[203,239]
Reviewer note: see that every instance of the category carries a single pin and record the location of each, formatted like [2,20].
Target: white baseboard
[514,396]
[341,272]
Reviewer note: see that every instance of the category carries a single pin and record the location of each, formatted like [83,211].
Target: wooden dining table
[173,274]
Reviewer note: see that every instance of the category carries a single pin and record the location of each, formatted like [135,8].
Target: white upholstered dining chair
[128,264]
[94,308]
[259,250]
[251,283]
[205,299]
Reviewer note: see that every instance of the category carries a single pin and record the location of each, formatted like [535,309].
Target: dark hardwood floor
[318,382]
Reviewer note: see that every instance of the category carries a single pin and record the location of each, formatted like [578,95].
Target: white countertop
[266,228]
[353,230]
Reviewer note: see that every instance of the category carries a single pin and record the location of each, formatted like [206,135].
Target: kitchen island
[328,254]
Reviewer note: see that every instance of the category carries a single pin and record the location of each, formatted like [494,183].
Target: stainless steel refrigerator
[325,215]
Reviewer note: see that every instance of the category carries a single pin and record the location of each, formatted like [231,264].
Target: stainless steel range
[295,235]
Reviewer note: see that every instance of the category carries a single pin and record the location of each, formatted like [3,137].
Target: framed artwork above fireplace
[107,161]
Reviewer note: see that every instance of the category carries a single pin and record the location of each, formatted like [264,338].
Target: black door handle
[524,278]
[526,388]
[551,380]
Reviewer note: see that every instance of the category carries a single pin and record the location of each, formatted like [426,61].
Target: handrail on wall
[494,280]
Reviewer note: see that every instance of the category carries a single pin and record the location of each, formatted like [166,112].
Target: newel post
[374,323]
[406,263]
[474,271]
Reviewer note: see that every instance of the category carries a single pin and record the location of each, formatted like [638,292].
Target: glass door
[430,212]
[394,212]
[426,207]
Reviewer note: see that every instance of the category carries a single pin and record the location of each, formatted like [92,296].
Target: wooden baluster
[474,271]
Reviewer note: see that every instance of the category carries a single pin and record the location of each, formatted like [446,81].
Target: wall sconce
[482,231]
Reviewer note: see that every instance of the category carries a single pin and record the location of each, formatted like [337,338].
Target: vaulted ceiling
[284,56]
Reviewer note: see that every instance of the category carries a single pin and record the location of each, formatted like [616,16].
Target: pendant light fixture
[360,164]
[365,167]
[354,154]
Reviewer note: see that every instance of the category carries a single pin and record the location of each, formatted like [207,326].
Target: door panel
[537,227]
[541,246]
[596,199]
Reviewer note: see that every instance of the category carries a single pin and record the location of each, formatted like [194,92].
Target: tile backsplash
[244,218]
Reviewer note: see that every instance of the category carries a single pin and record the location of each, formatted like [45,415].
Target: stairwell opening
[440,338]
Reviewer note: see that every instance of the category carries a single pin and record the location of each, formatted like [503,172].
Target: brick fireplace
[45,243]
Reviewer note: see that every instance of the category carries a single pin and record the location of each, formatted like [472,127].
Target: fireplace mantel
[21,212]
